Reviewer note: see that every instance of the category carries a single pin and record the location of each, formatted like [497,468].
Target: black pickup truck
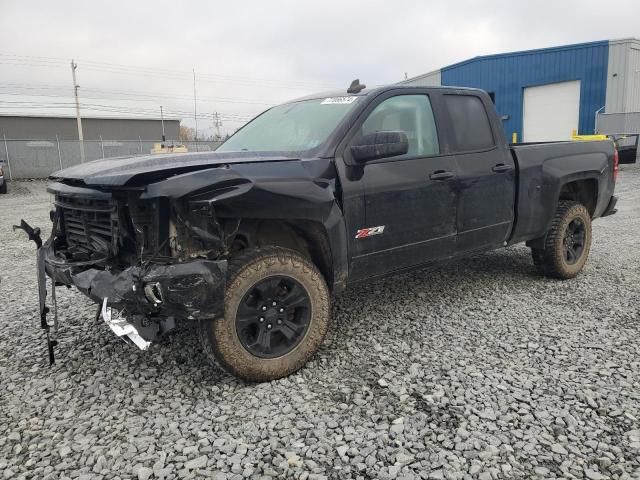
[250,241]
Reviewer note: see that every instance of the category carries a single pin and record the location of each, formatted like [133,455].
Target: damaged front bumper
[146,299]
[189,290]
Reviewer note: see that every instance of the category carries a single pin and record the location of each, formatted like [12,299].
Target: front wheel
[276,315]
[567,243]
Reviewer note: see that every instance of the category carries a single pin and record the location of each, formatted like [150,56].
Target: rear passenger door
[486,174]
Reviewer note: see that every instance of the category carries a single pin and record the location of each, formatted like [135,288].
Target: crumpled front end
[149,240]
[192,290]
[143,257]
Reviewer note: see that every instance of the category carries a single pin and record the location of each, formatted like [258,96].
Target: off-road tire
[552,259]
[219,337]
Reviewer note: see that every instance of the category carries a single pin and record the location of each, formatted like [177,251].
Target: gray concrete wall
[27,128]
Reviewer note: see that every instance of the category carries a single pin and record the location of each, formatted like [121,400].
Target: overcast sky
[250,54]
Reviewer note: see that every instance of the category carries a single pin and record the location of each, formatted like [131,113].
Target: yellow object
[163,148]
[588,138]
[514,137]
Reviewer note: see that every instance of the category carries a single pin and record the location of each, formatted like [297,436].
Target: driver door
[410,200]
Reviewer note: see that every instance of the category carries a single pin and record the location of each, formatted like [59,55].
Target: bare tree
[186,134]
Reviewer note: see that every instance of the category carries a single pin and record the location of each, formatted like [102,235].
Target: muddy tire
[567,243]
[276,315]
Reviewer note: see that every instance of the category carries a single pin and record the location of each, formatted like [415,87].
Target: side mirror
[380,145]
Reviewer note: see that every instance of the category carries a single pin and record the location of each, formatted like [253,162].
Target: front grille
[87,223]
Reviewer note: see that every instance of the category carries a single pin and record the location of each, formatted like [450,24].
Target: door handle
[501,168]
[441,175]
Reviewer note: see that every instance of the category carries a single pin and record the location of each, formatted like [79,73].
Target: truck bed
[544,167]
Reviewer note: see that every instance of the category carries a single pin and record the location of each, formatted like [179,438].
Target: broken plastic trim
[34,235]
[121,327]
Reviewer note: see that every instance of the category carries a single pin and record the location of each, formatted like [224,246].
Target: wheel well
[583,191]
[306,237]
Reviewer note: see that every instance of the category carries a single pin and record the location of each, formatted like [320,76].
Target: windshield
[292,127]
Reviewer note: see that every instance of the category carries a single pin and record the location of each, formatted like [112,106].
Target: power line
[240,81]
[113,114]
[33,61]
[30,101]
[44,104]
[60,92]
[117,109]
[111,106]
[130,93]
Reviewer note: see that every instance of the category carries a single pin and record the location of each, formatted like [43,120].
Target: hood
[122,171]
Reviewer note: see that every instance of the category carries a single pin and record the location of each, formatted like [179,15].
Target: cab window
[471,127]
[411,114]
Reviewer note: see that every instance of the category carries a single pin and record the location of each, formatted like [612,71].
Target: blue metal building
[545,94]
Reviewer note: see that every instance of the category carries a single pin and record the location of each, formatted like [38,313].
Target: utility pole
[195,108]
[75,93]
[162,121]
[217,124]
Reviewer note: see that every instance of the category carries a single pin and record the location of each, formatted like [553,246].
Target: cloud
[272,51]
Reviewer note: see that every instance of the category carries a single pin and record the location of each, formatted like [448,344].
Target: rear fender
[540,187]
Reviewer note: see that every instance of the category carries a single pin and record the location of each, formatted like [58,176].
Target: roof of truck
[376,90]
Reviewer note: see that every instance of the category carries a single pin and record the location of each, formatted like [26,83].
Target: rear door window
[470,123]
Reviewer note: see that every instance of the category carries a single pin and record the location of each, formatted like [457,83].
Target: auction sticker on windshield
[338,100]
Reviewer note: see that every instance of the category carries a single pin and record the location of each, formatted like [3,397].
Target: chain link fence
[40,158]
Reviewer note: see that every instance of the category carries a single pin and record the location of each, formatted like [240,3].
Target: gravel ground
[477,369]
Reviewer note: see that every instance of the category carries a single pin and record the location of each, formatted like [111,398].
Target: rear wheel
[276,315]
[567,243]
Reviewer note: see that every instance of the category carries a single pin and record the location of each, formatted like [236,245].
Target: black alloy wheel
[273,317]
[574,241]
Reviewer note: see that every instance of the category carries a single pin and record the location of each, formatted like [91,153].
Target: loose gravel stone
[196,463]
[403,458]
[593,475]
[541,471]
[144,473]
[476,369]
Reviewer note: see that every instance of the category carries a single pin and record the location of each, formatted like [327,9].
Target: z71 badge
[367,232]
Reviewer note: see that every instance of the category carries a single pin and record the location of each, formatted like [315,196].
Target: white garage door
[551,111]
